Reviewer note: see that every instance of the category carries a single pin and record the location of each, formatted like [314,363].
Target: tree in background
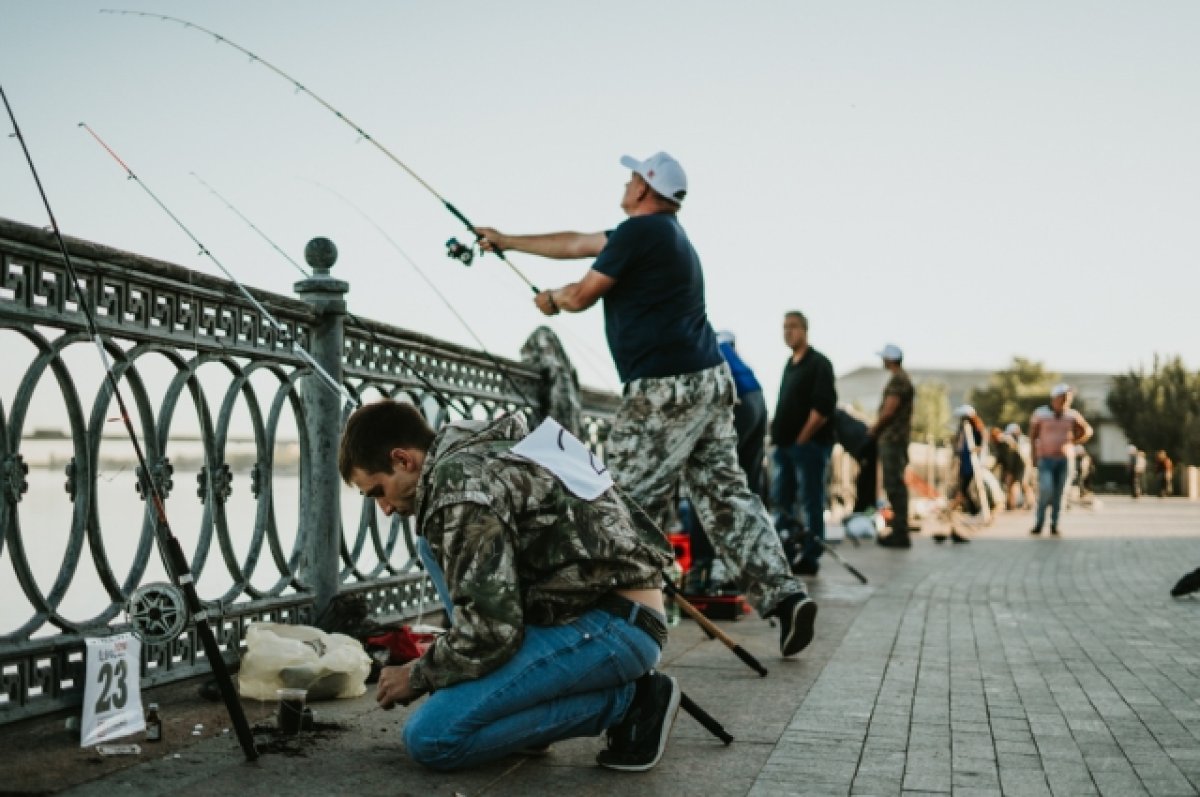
[1014,393]
[931,413]
[1160,410]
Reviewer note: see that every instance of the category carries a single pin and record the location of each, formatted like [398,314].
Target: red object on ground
[720,607]
[682,544]
[402,644]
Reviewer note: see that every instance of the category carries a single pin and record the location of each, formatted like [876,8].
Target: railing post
[321,522]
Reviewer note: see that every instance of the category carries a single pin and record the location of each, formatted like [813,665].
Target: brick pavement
[1013,665]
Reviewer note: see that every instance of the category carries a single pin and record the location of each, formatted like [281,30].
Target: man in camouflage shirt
[676,417]
[892,429]
[555,600]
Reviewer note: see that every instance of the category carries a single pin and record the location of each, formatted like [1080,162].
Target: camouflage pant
[677,426]
[893,457]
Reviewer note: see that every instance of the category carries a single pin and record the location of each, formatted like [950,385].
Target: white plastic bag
[301,657]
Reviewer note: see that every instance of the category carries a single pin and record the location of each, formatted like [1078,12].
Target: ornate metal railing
[216,391]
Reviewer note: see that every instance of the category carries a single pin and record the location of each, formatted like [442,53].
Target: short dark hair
[374,430]
[799,316]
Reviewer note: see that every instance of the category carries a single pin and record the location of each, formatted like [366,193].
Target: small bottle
[153,724]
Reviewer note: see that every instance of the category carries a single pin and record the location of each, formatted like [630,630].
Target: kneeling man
[554,593]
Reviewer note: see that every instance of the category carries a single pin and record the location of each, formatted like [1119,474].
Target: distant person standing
[1018,469]
[803,440]
[1164,469]
[1054,431]
[891,431]
[1137,471]
[749,414]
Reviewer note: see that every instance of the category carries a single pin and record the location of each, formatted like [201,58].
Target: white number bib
[112,695]
[561,453]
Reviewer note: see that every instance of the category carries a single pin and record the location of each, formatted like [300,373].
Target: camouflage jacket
[517,548]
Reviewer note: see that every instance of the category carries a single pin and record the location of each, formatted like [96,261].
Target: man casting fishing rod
[676,417]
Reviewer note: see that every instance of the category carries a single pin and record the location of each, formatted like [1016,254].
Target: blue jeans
[564,681]
[1052,478]
[802,468]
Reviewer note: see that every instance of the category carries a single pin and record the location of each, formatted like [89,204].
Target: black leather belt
[636,615]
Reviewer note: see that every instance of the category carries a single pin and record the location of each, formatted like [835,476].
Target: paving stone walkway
[1010,666]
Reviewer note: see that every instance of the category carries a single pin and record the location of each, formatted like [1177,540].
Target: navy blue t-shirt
[654,315]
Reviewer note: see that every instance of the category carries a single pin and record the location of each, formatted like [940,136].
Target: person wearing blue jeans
[803,439]
[1054,432]
[1052,474]
[553,589]
[800,472]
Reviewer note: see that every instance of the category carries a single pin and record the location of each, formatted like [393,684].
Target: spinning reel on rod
[158,612]
[457,250]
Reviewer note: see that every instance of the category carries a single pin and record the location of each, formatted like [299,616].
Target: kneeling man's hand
[393,686]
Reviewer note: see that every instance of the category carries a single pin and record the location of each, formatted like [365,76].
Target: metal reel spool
[158,612]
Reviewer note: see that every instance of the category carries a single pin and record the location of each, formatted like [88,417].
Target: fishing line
[172,554]
[363,134]
[284,336]
[354,320]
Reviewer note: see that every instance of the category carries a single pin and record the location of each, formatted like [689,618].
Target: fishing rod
[354,320]
[284,336]
[455,249]
[379,228]
[172,553]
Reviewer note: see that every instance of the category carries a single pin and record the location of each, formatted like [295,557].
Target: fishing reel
[457,250]
[158,612]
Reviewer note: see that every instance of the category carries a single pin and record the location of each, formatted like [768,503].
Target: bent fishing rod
[353,319]
[456,250]
[174,560]
[284,335]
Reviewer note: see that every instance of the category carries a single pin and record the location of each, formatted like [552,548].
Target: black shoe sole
[804,618]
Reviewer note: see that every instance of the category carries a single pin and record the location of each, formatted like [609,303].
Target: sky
[972,181]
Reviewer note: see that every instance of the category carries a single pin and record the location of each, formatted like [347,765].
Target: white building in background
[862,387]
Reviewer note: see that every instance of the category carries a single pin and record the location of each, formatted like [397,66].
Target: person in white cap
[891,431]
[1054,431]
[676,414]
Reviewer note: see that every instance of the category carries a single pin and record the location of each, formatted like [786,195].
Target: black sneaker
[894,540]
[805,567]
[637,742]
[797,614]
[1187,585]
[1054,530]
[1036,530]
[957,538]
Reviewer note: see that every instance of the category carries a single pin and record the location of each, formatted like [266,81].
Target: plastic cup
[291,710]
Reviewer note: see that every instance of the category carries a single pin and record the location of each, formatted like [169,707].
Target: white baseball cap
[725,336]
[964,411]
[1061,389]
[1012,428]
[891,352]
[662,172]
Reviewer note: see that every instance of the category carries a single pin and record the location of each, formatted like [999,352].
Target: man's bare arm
[581,295]
[1083,430]
[886,413]
[555,245]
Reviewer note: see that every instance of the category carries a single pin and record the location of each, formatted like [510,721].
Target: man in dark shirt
[676,416]
[803,439]
[891,430]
